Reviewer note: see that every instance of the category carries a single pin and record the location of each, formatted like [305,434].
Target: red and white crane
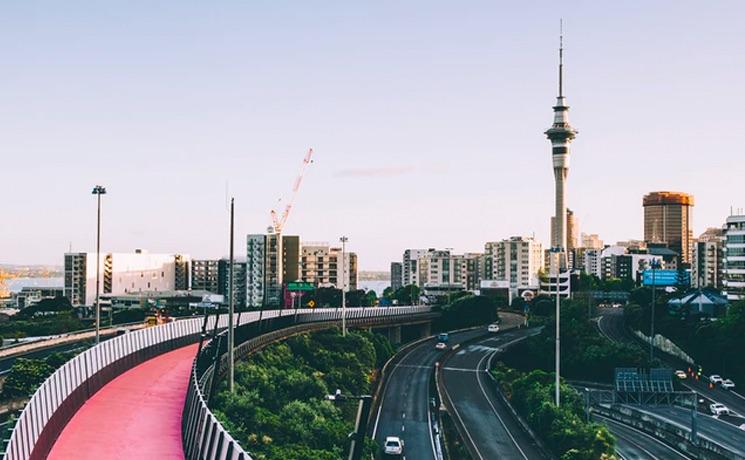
[279,221]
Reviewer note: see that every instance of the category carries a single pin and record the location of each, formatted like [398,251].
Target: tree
[468,311]
[25,376]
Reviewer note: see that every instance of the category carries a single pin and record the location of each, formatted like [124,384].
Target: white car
[681,375]
[716,378]
[493,327]
[394,445]
[742,427]
[719,409]
[441,346]
[728,384]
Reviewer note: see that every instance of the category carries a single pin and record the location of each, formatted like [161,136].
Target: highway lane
[492,431]
[405,410]
[7,363]
[611,325]
[709,427]
[638,445]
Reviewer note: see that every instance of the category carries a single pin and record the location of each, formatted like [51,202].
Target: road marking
[478,379]
[457,414]
[458,369]
[413,366]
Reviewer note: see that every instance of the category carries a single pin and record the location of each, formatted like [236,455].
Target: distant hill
[373,276]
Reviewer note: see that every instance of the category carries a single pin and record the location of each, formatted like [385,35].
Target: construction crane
[279,221]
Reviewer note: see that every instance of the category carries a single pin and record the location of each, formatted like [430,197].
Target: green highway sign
[300,286]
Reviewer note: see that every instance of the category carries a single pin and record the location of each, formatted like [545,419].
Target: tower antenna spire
[561,57]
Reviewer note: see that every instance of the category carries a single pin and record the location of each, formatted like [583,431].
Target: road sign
[312,303]
[661,278]
[300,286]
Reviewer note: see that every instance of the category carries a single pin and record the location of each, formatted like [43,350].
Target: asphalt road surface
[715,430]
[492,432]
[405,409]
[7,363]
[633,444]
[611,325]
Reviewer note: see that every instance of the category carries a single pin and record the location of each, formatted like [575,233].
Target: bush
[279,408]
[564,429]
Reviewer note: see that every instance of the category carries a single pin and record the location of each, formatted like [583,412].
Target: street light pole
[231,309]
[343,240]
[98,190]
[651,325]
[557,390]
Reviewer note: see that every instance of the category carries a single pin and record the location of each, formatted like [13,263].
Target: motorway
[714,430]
[405,409]
[638,445]
[7,363]
[611,325]
[491,430]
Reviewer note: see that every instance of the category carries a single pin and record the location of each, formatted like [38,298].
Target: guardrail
[57,400]
[204,437]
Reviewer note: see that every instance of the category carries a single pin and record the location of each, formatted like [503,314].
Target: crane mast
[279,221]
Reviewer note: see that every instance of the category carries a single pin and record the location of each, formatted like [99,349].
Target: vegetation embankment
[564,430]
[715,344]
[585,354]
[27,374]
[279,409]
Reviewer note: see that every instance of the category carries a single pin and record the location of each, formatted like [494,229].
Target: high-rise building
[255,265]
[734,257]
[290,258]
[396,275]
[667,220]
[411,265]
[561,134]
[518,260]
[239,280]
[281,265]
[321,265]
[204,275]
[123,273]
[707,266]
[572,230]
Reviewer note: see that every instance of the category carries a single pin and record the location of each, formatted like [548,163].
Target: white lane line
[458,369]
[494,409]
[385,391]
[457,414]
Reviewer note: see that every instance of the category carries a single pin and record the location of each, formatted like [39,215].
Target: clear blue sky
[427,118]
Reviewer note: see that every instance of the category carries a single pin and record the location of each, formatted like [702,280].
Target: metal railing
[204,437]
[57,400]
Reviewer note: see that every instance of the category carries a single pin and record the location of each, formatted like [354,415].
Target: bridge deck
[136,415]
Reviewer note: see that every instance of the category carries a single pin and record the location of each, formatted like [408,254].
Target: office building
[320,264]
[707,266]
[667,220]
[204,275]
[734,257]
[30,296]
[255,264]
[239,280]
[591,241]
[281,265]
[396,275]
[123,273]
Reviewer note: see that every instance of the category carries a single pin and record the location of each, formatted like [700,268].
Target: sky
[426,118]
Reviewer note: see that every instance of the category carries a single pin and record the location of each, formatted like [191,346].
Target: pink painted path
[135,416]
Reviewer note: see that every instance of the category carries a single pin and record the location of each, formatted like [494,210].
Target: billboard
[661,278]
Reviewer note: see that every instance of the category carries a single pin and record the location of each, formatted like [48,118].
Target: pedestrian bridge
[144,394]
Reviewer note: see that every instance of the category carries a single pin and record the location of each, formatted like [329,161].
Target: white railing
[57,400]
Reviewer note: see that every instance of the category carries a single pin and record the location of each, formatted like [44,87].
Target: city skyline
[424,156]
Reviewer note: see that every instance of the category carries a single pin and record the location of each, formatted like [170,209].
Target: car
[443,337]
[716,378]
[728,384]
[742,427]
[681,375]
[393,445]
[493,327]
[719,409]
[441,346]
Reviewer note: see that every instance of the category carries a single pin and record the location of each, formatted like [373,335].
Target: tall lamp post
[231,308]
[557,251]
[654,264]
[98,190]
[343,240]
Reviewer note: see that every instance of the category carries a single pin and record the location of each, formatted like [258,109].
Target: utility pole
[343,240]
[231,307]
[98,190]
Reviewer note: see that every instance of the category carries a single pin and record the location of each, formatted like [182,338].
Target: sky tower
[561,135]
